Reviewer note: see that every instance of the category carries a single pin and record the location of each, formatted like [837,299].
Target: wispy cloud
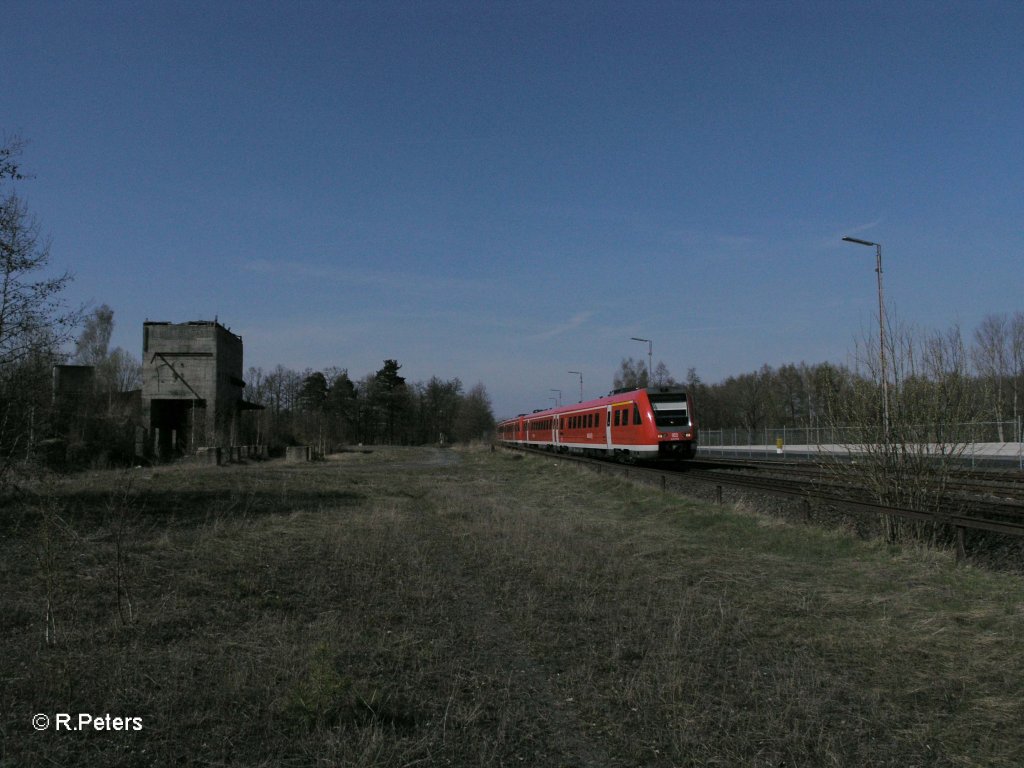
[735,241]
[577,320]
[856,230]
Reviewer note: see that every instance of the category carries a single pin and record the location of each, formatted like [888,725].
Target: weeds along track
[984,484]
[468,608]
[988,501]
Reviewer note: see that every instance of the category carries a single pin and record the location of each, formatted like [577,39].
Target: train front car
[673,419]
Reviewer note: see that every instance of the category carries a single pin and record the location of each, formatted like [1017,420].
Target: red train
[651,423]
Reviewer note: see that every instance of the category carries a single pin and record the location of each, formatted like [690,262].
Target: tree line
[937,376]
[328,408]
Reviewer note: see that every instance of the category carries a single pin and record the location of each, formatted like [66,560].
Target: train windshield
[670,410]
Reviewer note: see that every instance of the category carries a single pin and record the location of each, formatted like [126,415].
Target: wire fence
[1001,438]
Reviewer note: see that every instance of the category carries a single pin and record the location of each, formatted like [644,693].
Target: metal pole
[578,373]
[881,341]
[881,330]
[650,359]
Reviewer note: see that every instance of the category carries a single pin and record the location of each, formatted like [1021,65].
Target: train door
[554,431]
[608,429]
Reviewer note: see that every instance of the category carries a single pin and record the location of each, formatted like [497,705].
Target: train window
[636,414]
[670,410]
[597,421]
[617,418]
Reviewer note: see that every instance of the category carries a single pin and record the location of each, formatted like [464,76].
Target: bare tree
[631,374]
[992,355]
[908,462]
[34,321]
[94,340]
[32,313]
[116,370]
[125,370]
[662,376]
[1017,365]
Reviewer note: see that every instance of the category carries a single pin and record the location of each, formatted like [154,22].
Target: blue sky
[504,192]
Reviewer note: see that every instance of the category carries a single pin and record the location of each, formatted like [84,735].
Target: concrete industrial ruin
[191,386]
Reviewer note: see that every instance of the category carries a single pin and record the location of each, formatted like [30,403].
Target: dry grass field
[465,608]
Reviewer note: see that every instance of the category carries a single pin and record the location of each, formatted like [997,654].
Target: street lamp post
[650,359]
[559,396]
[881,329]
[578,373]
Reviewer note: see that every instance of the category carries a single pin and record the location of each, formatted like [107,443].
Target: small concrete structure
[73,382]
[209,455]
[298,453]
[191,385]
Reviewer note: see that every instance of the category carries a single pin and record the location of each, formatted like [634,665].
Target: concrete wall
[73,382]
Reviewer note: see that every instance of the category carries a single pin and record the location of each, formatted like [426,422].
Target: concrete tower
[191,385]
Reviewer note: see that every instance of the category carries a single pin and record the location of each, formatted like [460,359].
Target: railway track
[981,491]
[984,500]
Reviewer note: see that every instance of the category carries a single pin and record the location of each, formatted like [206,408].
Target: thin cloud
[861,228]
[577,320]
[735,241]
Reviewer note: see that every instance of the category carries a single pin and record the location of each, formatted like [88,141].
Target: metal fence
[973,432]
[1007,436]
